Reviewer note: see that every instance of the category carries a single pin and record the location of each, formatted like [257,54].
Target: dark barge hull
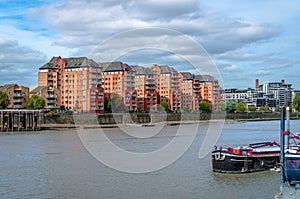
[292,168]
[223,162]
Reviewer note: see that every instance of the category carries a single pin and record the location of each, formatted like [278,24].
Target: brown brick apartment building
[18,95]
[77,79]
[51,96]
[82,85]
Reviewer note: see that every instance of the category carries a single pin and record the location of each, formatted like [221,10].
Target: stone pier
[20,120]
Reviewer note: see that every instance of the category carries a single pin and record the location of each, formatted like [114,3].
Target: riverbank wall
[146,118]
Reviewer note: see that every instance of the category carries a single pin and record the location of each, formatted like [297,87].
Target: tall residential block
[79,82]
[210,91]
[49,76]
[168,85]
[82,85]
[118,80]
[145,85]
[191,95]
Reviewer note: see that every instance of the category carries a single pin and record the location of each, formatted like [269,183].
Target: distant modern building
[248,96]
[273,95]
[277,94]
[18,95]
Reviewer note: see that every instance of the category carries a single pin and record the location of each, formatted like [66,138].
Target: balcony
[51,107]
[150,79]
[19,95]
[50,96]
[18,106]
[18,100]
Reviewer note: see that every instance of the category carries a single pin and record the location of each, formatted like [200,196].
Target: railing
[19,95]
[18,100]
[50,96]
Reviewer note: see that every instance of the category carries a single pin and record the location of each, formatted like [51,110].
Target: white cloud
[263,72]
[19,64]
[238,42]
[86,24]
[232,68]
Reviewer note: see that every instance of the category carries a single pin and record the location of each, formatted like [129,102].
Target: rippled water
[54,164]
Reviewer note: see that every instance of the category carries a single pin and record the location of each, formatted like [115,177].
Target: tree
[116,104]
[4,100]
[165,106]
[241,107]
[204,107]
[296,102]
[251,108]
[107,105]
[35,102]
[230,106]
[264,108]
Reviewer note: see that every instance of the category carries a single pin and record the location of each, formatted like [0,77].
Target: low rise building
[18,95]
[50,95]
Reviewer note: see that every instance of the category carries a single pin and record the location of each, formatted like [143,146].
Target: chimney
[256,83]
[282,81]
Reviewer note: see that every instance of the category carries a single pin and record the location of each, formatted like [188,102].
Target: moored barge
[252,158]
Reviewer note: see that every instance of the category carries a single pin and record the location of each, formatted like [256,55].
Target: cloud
[88,23]
[232,68]
[263,72]
[19,64]
[238,43]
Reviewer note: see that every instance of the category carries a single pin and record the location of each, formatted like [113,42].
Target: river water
[55,164]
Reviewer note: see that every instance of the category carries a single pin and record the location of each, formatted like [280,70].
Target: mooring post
[282,129]
[2,118]
[287,138]
[40,120]
[12,121]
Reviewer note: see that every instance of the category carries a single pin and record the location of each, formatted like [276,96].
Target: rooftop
[113,66]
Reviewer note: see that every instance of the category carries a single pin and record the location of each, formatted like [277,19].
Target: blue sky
[246,39]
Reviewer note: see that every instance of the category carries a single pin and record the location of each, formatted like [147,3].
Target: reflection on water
[54,164]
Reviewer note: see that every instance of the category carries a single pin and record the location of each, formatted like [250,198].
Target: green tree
[107,105]
[252,108]
[223,106]
[241,107]
[264,108]
[35,102]
[230,106]
[116,104]
[296,102]
[4,100]
[165,106]
[204,107]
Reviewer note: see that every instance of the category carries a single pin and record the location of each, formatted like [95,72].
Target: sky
[246,40]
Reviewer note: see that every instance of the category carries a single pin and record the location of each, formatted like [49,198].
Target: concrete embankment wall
[130,118]
[122,118]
